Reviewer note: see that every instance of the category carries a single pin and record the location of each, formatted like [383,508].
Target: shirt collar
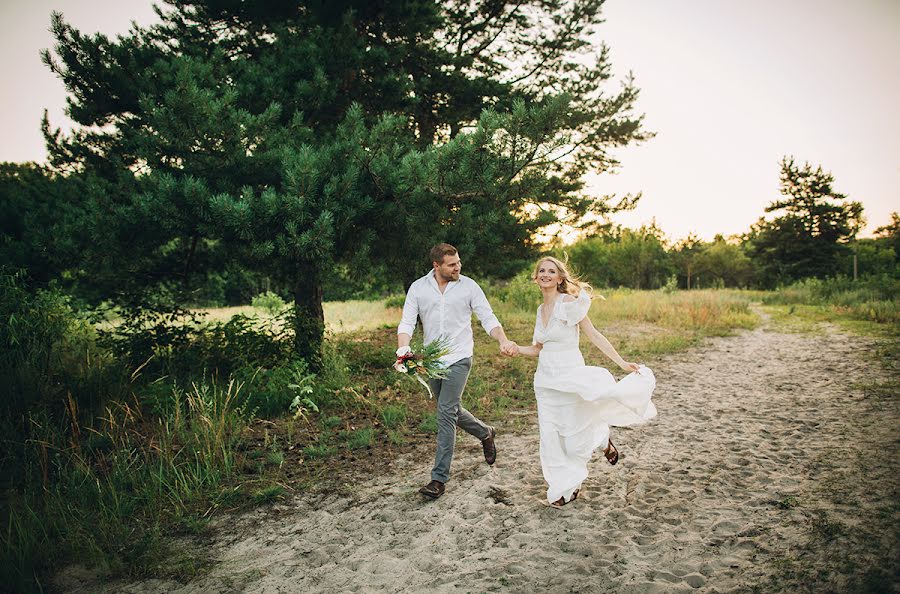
[432,280]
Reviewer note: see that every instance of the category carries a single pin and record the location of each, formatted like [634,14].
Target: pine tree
[36,211]
[299,136]
[809,239]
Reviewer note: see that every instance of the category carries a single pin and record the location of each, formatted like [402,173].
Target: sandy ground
[773,466]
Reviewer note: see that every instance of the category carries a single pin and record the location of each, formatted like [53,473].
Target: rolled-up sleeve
[410,313]
[483,310]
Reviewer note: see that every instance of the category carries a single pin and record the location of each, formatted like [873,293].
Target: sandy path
[747,481]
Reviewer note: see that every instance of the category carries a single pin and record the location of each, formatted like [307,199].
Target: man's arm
[490,323]
[407,323]
[507,347]
[402,341]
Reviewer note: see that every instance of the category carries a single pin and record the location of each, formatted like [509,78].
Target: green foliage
[359,438]
[875,257]
[875,299]
[396,437]
[268,494]
[49,360]
[723,264]
[178,345]
[428,424]
[810,238]
[270,302]
[108,499]
[623,258]
[296,141]
[38,210]
[395,300]
[303,390]
[330,422]
[393,415]
[520,292]
[33,329]
[345,283]
[317,451]
[890,233]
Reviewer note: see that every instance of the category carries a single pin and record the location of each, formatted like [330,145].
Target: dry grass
[340,316]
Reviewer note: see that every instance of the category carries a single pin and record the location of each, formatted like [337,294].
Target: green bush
[635,258]
[520,292]
[178,346]
[49,357]
[395,300]
[875,298]
[108,496]
[270,391]
[269,302]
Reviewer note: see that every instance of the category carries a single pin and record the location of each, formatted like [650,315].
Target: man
[445,300]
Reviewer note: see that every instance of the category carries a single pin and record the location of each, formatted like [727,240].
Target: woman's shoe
[611,453]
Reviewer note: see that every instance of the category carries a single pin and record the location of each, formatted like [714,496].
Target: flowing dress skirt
[576,406]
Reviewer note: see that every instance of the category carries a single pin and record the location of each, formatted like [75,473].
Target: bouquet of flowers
[423,362]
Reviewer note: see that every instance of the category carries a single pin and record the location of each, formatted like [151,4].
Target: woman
[577,403]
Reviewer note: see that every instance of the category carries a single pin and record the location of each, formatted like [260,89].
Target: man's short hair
[438,252]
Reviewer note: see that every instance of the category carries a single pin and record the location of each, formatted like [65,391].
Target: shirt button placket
[442,315]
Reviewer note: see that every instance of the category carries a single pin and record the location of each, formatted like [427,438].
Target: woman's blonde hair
[569,284]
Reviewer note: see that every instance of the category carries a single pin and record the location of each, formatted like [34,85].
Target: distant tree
[875,256]
[684,257]
[810,237]
[890,233]
[725,264]
[300,137]
[879,255]
[624,258]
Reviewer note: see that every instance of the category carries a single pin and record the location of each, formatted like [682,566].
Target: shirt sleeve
[483,310]
[410,313]
[573,312]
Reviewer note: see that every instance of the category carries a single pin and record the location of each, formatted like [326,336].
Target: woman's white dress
[578,403]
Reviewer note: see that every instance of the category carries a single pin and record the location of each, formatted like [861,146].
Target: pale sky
[729,86]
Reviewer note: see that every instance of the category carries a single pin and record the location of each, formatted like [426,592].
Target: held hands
[509,348]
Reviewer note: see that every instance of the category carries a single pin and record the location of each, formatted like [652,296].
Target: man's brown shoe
[433,490]
[490,449]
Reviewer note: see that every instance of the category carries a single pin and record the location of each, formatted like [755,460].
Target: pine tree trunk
[309,317]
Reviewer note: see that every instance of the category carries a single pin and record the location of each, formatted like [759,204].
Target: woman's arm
[531,351]
[604,345]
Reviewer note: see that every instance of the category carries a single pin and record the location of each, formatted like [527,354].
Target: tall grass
[107,494]
[707,312]
[874,299]
[700,312]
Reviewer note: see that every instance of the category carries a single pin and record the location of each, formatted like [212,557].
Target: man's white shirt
[447,314]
